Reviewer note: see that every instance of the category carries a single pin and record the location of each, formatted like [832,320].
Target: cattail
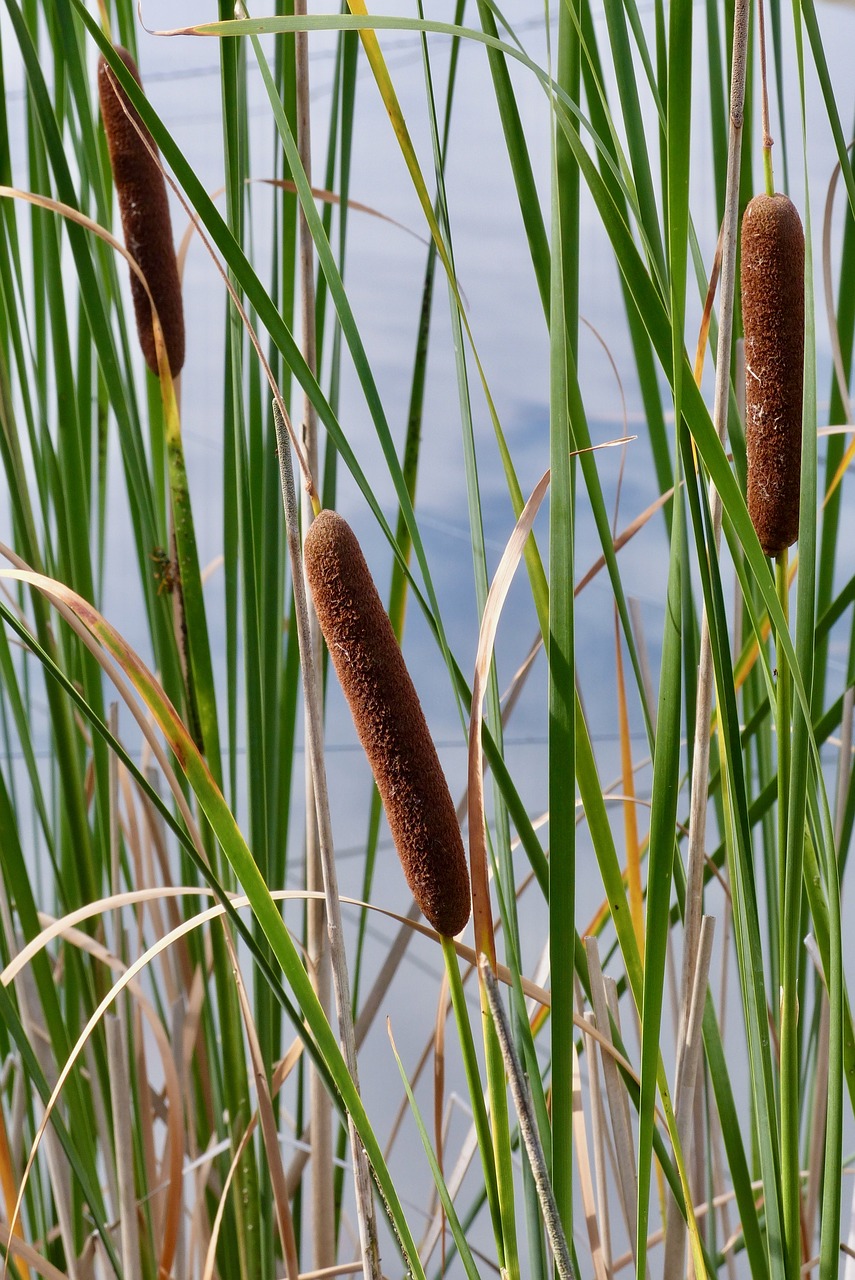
[773,313]
[144,209]
[390,722]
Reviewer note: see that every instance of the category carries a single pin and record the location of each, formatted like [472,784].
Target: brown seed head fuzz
[390,722]
[773,314]
[144,209]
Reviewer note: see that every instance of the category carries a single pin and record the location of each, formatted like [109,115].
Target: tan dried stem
[117,1057]
[690,1053]
[317,947]
[764,86]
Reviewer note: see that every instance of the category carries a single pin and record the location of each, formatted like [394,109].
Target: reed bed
[612,747]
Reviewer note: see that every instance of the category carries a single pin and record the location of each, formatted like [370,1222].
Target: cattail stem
[783,714]
[320,1105]
[790,897]
[768,175]
[481,1118]
[703,705]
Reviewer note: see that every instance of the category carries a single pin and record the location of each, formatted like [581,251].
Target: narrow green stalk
[768,176]
[783,722]
[473,1081]
[564,328]
[789,942]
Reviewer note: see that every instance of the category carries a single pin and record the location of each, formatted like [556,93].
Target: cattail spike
[390,722]
[773,314]
[144,209]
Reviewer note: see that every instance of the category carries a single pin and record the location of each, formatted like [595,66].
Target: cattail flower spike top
[144,210]
[390,722]
[773,314]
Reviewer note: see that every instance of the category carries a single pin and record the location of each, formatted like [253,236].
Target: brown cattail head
[773,314]
[144,209]
[390,722]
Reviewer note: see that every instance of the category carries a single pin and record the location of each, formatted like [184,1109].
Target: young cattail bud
[144,209]
[773,314]
[390,722]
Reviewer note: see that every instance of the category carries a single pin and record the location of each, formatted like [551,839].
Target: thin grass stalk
[339,147]
[844,765]
[700,1177]
[817,1116]
[320,1108]
[701,747]
[480,1117]
[599,1135]
[499,1124]
[563,342]
[254,580]
[840,1044]
[314,742]
[783,722]
[586,1186]
[528,1126]
[626,1177]
[117,1049]
[267,1122]
[690,1052]
[142,1113]
[764,101]
[661,860]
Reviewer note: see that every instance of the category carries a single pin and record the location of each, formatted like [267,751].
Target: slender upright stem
[528,1126]
[783,728]
[701,749]
[789,942]
[768,176]
[703,702]
[320,1107]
